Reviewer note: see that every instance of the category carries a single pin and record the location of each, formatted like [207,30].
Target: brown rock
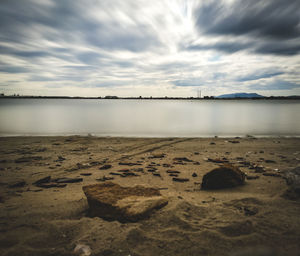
[226,176]
[113,202]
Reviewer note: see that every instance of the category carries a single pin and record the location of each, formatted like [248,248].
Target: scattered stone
[105,167]
[212,143]
[173,175]
[110,201]
[152,170]
[261,151]
[129,164]
[115,173]
[196,163]
[68,180]
[270,161]
[83,165]
[94,163]
[194,175]
[104,178]
[51,185]
[166,165]
[252,177]
[226,176]
[28,159]
[156,174]
[42,180]
[180,179]
[162,155]
[182,159]
[86,174]
[218,160]
[18,184]
[234,141]
[292,178]
[196,153]
[60,159]
[172,171]
[82,250]
[259,169]
[272,174]
[138,170]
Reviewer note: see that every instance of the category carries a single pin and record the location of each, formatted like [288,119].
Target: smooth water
[149,118]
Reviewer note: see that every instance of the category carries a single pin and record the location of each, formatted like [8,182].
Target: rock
[129,164]
[292,178]
[68,180]
[234,141]
[182,159]
[28,159]
[18,184]
[162,155]
[105,167]
[172,171]
[252,177]
[272,174]
[86,174]
[104,178]
[51,185]
[270,161]
[226,176]
[82,250]
[112,202]
[42,180]
[180,179]
[194,175]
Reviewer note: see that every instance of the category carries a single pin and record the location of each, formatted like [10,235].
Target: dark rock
[162,155]
[166,165]
[196,153]
[226,176]
[173,175]
[172,171]
[126,204]
[18,184]
[212,143]
[51,185]
[105,167]
[156,174]
[194,175]
[152,170]
[180,179]
[272,174]
[234,141]
[196,163]
[129,164]
[292,178]
[83,165]
[182,159]
[86,174]
[28,159]
[218,160]
[252,177]
[42,180]
[68,180]
[104,178]
[270,161]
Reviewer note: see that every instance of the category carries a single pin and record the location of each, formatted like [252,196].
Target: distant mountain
[240,95]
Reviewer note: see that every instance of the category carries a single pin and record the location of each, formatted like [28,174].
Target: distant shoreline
[152,98]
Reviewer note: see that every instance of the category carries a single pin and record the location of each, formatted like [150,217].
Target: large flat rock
[112,202]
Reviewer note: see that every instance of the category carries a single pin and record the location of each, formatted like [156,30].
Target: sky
[149,48]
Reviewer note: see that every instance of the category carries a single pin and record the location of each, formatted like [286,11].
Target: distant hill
[240,95]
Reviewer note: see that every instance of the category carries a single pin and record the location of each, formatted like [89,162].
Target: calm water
[154,118]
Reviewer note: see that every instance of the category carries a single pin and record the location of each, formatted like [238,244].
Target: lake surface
[149,118]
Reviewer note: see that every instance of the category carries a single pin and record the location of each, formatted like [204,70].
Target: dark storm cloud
[220,46]
[265,23]
[259,75]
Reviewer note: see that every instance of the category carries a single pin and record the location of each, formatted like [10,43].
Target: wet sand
[52,221]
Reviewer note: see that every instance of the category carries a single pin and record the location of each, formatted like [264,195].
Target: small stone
[180,179]
[194,175]
[42,180]
[18,184]
[105,167]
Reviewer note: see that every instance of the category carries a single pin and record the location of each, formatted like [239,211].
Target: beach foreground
[53,220]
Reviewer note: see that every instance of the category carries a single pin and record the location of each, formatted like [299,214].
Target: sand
[53,221]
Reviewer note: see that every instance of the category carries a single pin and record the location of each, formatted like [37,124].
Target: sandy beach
[36,220]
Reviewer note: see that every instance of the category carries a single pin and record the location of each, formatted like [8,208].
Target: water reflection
[148,117]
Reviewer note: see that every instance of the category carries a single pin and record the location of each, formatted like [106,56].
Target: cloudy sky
[149,48]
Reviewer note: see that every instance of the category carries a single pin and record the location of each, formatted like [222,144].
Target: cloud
[259,74]
[261,23]
[275,85]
